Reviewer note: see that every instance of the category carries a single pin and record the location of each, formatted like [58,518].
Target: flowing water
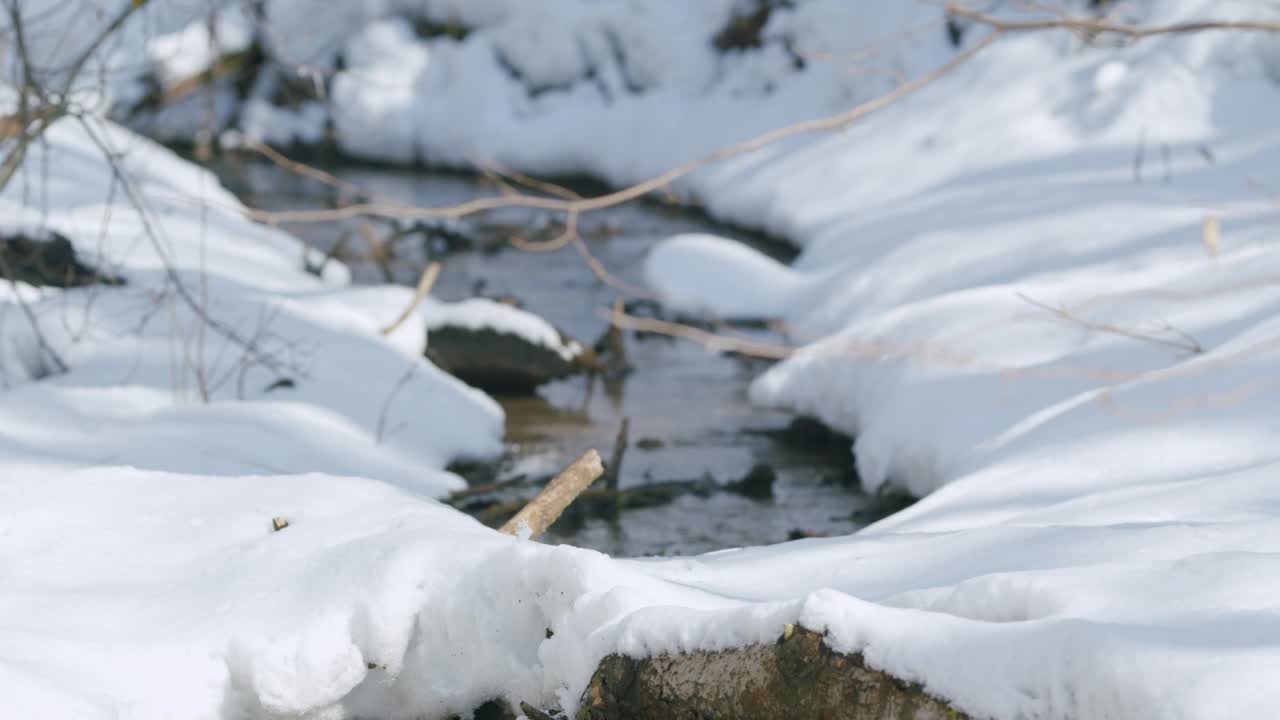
[688,411]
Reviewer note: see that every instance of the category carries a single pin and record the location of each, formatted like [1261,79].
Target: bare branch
[1098,26]
[1185,342]
[425,282]
[546,506]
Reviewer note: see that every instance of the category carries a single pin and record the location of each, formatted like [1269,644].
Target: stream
[688,411]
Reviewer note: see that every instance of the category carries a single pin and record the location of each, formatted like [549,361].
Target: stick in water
[534,518]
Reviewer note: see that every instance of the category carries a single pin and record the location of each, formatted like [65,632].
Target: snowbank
[149,595]
[220,355]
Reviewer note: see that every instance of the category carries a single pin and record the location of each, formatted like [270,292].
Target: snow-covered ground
[1013,303]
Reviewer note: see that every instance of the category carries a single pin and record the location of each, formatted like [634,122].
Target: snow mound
[220,354]
[707,274]
[486,314]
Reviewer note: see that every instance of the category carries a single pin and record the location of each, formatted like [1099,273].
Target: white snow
[1008,302]
[148,378]
[708,274]
[485,314]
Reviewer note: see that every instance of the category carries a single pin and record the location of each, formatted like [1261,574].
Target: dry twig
[614,468]
[425,283]
[1098,26]
[546,506]
[1185,342]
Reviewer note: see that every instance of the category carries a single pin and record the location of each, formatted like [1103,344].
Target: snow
[1006,297]
[291,370]
[486,314]
[707,274]
[184,54]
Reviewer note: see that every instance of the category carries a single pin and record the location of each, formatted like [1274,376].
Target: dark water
[688,409]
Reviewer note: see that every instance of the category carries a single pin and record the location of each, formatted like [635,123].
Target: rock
[650,443]
[47,261]
[492,710]
[743,31]
[798,676]
[500,348]
[758,483]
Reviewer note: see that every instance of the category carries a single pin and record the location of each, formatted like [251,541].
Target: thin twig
[709,340]
[1098,26]
[1186,343]
[425,282]
[614,469]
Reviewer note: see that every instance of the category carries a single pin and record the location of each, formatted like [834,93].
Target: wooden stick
[546,506]
[615,460]
[428,279]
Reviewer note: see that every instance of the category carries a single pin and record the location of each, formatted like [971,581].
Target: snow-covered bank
[145,595]
[221,354]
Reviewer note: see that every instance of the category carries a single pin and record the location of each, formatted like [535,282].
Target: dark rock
[48,261]
[494,360]
[476,472]
[492,710]
[885,502]
[650,443]
[743,31]
[283,383]
[805,534]
[798,676]
[499,363]
[758,483]
[452,28]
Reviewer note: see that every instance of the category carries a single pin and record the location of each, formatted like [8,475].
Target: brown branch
[614,469]
[1186,343]
[542,186]
[1098,26]
[425,282]
[560,241]
[304,170]
[709,340]
[604,275]
[546,506]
